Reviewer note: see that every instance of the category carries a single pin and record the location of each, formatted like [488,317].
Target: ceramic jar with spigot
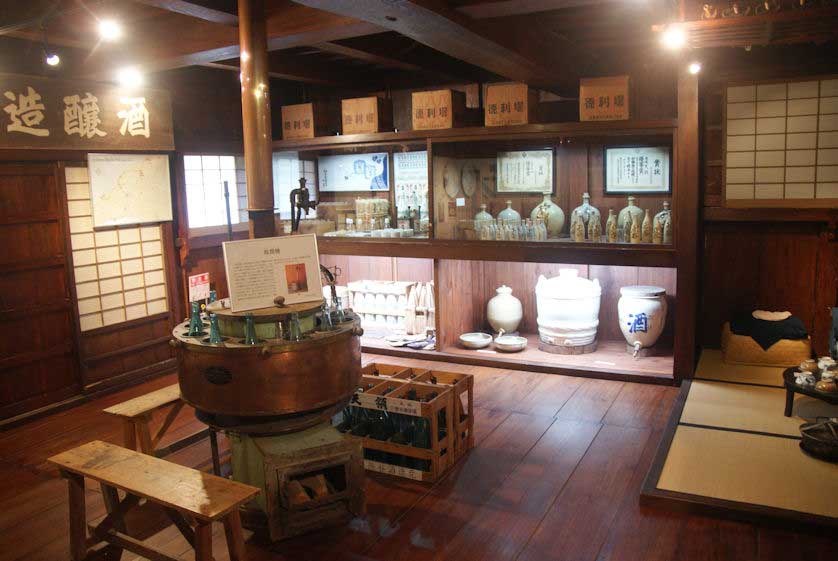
[642,315]
[504,311]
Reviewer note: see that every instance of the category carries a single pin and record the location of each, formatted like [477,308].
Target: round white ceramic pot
[568,309]
[504,311]
[642,313]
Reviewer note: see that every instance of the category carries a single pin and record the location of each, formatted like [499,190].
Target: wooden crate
[304,120]
[362,115]
[509,103]
[462,396]
[385,388]
[604,99]
[438,109]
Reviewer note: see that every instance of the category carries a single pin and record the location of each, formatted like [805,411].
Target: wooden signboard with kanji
[509,104]
[604,99]
[304,120]
[50,114]
[438,109]
[362,115]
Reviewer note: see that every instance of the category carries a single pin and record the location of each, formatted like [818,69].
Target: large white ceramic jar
[568,309]
[642,313]
[504,311]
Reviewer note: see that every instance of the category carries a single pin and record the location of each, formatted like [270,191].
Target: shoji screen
[119,272]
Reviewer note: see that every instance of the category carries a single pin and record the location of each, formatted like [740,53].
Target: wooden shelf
[609,361]
[725,214]
[640,255]
[524,132]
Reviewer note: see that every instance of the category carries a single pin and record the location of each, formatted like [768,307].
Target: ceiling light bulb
[129,77]
[694,67]
[674,37]
[52,59]
[109,30]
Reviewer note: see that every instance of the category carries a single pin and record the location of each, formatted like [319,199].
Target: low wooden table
[793,387]
[185,494]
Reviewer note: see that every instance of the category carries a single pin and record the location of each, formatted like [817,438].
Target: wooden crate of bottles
[414,423]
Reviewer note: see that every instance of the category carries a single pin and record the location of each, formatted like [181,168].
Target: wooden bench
[191,498]
[136,415]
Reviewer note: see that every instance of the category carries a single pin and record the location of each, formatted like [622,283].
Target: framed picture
[127,189]
[528,171]
[259,270]
[353,172]
[637,169]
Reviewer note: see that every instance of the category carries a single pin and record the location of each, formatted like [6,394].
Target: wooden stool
[136,418]
[192,499]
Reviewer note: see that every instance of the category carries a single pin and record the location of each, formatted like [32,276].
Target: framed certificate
[529,171]
[637,169]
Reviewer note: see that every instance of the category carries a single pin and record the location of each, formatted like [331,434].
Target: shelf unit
[677,353]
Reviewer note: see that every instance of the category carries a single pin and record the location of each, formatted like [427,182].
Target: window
[288,169]
[205,176]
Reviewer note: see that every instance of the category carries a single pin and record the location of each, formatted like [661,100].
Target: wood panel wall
[465,288]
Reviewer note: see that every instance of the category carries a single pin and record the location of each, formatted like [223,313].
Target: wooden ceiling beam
[450,32]
[366,56]
[505,8]
[217,12]
[295,68]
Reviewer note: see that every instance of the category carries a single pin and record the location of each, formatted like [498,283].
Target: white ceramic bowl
[475,340]
[510,343]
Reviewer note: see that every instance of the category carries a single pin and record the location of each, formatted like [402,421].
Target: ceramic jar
[625,219]
[482,218]
[642,314]
[568,309]
[509,214]
[551,214]
[581,217]
[504,311]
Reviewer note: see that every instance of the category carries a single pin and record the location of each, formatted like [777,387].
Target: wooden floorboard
[555,474]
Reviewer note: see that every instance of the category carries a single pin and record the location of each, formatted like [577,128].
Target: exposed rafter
[504,8]
[450,32]
[218,11]
[365,56]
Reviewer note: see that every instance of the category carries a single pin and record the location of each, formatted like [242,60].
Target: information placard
[199,287]
[260,270]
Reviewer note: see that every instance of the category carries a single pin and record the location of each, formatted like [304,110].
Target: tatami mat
[762,470]
[711,366]
[750,408]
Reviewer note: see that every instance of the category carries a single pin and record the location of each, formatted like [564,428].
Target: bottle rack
[413,423]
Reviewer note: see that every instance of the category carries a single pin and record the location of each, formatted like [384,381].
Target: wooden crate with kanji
[438,109]
[462,396]
[305,120]
[509,104]
[406,429]
[363,115]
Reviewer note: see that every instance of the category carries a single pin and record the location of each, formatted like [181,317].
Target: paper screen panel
[119,272]
[781,144]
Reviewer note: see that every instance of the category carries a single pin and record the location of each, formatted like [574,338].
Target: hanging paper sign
[353,172]
[604,99]
[44,113]
[199,287]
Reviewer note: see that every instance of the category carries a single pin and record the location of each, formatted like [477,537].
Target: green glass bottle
[325,318]
[196,326]
[215,334]
[295,330]
[249,330]
[340,315]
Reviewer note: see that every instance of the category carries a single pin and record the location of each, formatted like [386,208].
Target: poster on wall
[128,189]
[410,178]
[353,172]
[637,169]
[529,171]
[261,269]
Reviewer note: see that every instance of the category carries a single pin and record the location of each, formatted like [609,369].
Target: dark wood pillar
[685,215]
[256,117]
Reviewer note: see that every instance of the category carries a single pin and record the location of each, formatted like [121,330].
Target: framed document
[353,172]
[637,169]
[127,189]
[529,171]
[259,270]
